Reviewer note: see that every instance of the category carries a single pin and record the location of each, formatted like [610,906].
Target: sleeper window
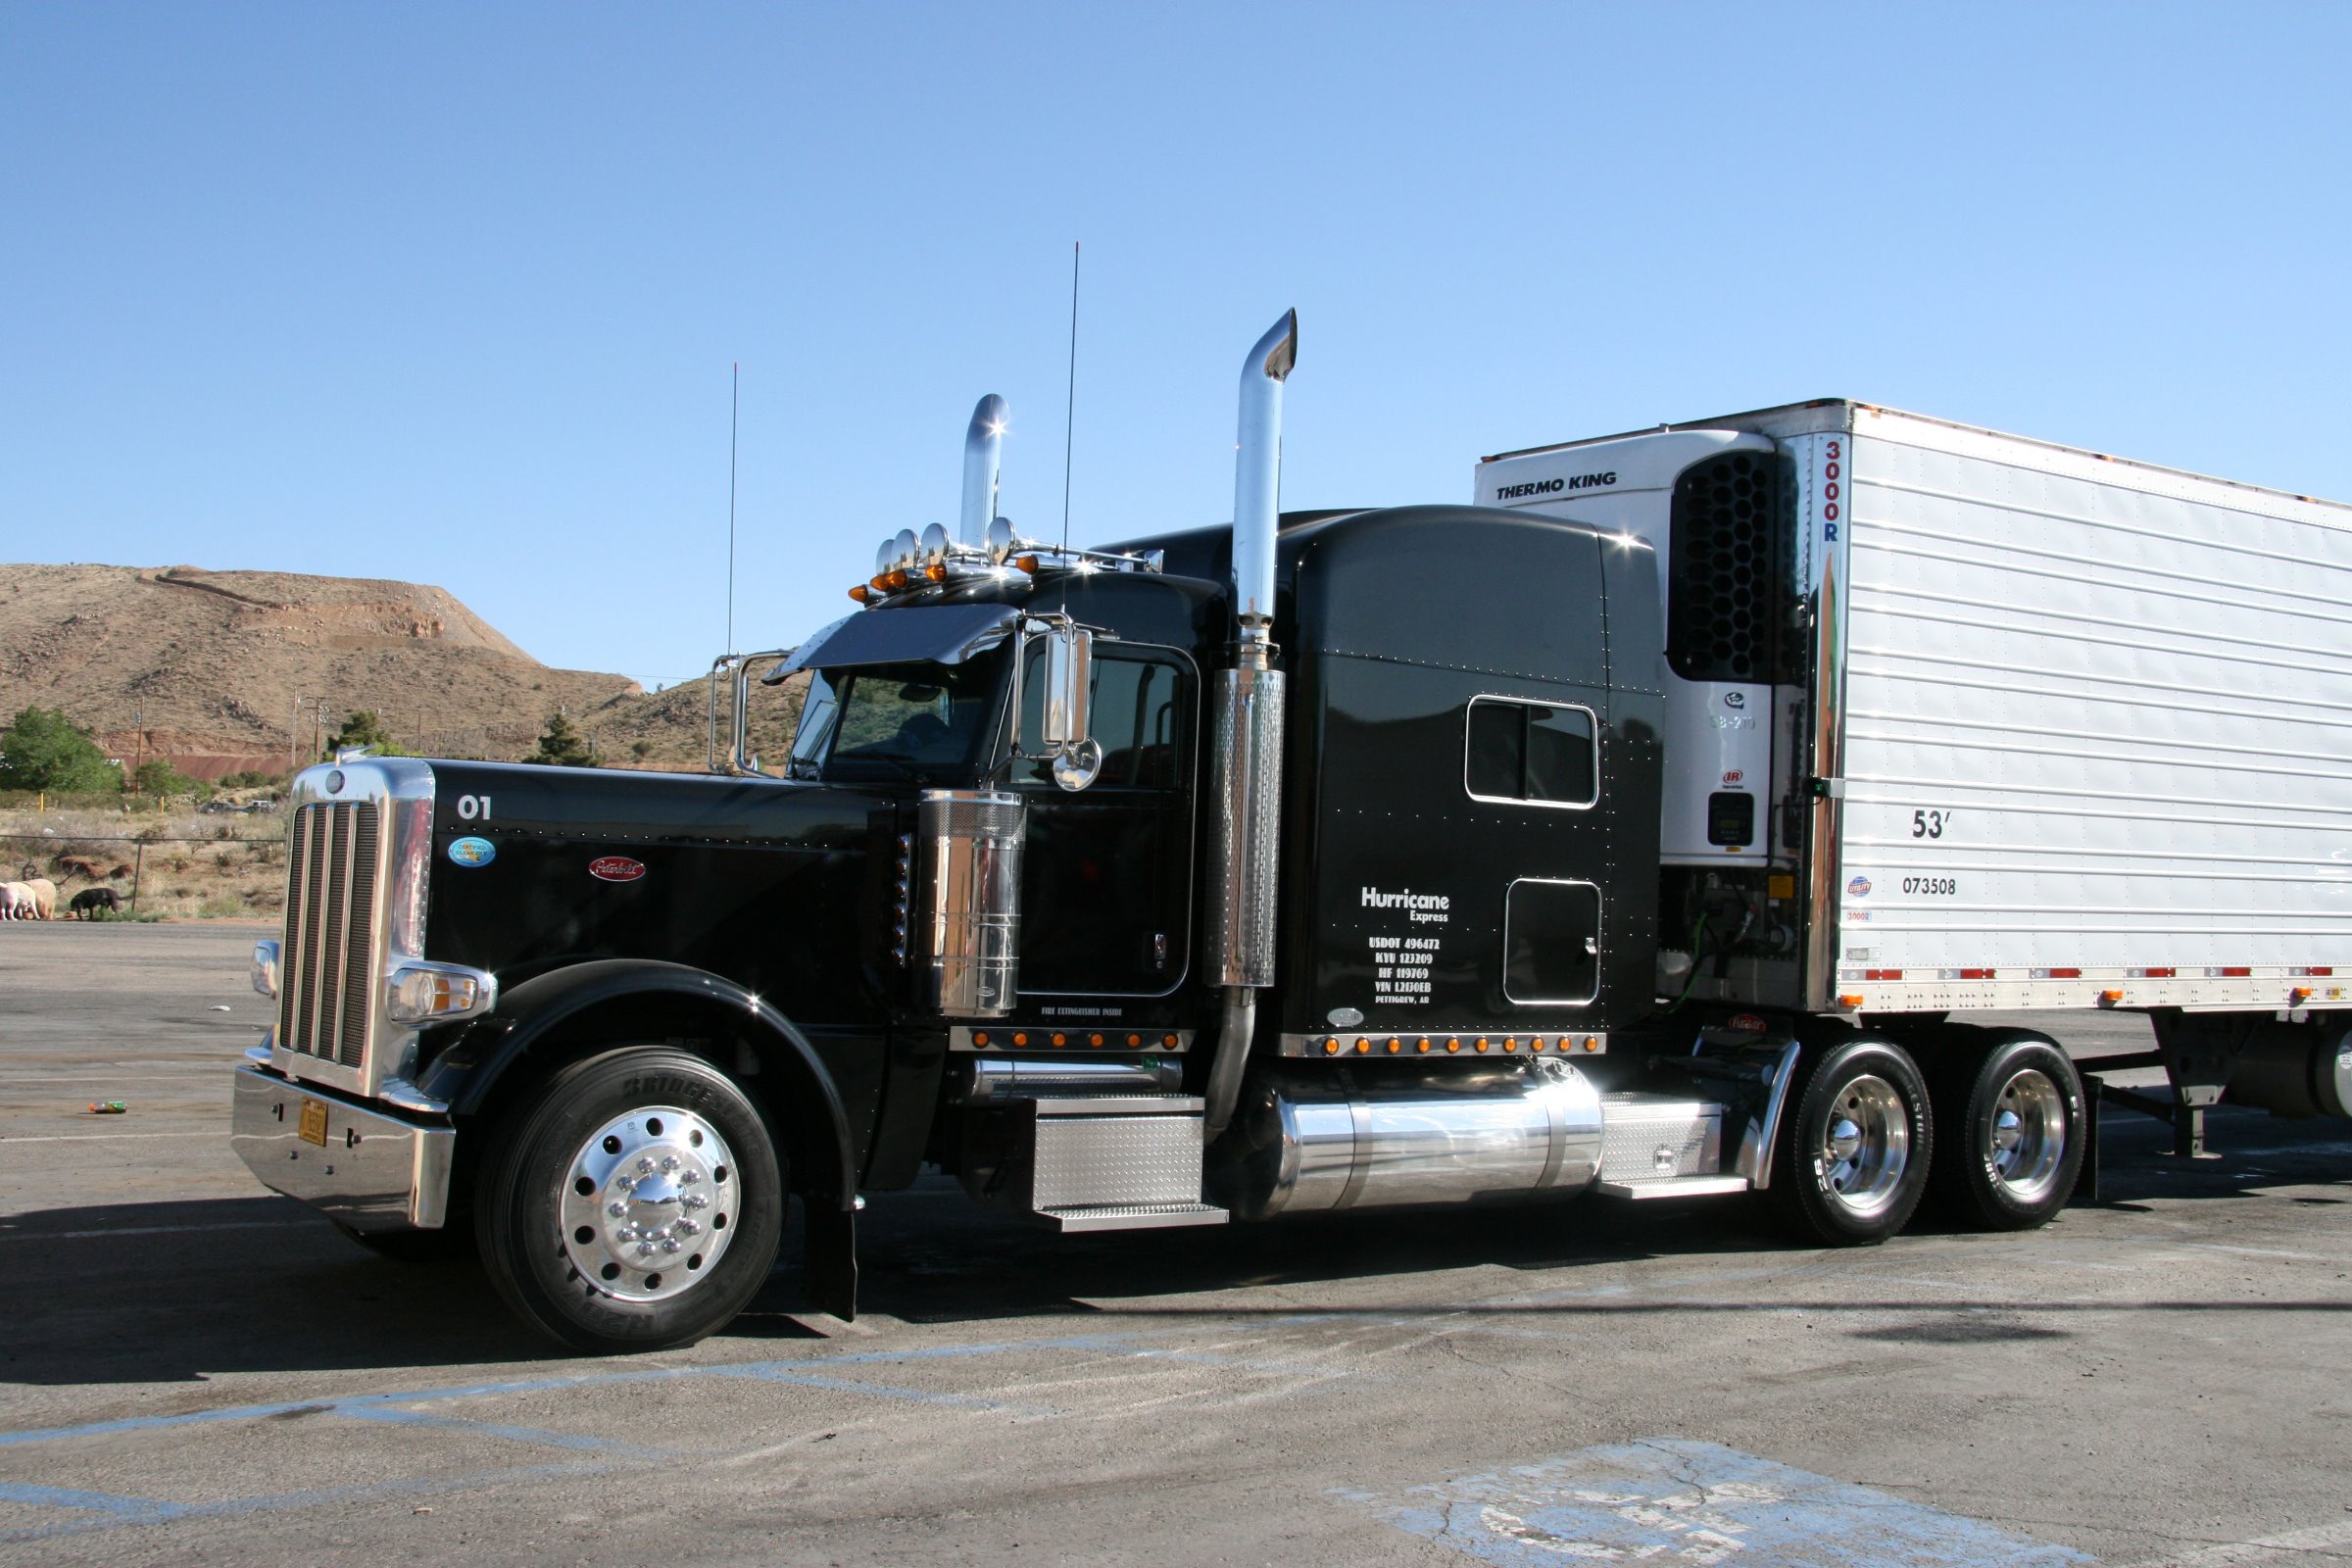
[1543,753]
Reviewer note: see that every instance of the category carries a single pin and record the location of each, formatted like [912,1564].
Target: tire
[1855,1147]
[2008,1131]
[450,1244]
[634,1202]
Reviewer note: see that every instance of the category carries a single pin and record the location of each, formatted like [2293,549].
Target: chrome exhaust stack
[1246,820]
[983,462]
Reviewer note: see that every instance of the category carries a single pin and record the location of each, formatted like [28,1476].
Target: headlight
[433,993]
[265,968]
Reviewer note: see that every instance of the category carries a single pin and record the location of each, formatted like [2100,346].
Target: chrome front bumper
[372,1172]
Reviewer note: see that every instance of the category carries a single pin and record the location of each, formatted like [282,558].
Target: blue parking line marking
[160,1513]
[780,1370]
[142,1510]
[1673,1500]
[356,1410]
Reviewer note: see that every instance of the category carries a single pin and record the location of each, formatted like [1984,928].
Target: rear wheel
[634,1204]
[2009,1133]
[1854,1149]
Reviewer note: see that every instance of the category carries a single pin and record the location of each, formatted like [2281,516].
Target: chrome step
[1132,1216]
[1094,1161]
[1658,1138]
[1677,1187]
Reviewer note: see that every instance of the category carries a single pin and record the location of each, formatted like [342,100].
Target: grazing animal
[16,902]
[44,897]
[75,865]
[90,901]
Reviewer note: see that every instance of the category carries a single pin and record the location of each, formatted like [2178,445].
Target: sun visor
[936,634]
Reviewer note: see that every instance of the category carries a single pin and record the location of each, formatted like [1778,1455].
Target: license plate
[314,1122]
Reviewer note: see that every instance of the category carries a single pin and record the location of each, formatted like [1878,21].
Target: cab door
[1107,870]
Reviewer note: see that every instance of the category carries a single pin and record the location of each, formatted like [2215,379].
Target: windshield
[893,720]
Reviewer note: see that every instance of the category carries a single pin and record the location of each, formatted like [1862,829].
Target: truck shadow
[180,1292]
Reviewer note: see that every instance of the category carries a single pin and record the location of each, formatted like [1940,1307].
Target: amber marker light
[1452,1044]
[1850,1001]
[897,580]
[1512,1044]
[980,1038]
[2300,993]
[1020,1039]
[861,593]
[1094,1040]
[1482,1043]
[1364,1048]
[937,571]
[1331,1047]
[1169,1041]
[1133,1041]
[1027,563]
[2111,998]
[1591,1043]
[1060,1039]
[1421,1045]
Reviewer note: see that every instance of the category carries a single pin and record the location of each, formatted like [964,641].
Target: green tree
[364,729]
[158,777]
[562,746]
[43,750]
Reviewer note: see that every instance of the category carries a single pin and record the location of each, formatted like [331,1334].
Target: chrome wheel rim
[1865,1147]
[2025,1136]
[649,1203]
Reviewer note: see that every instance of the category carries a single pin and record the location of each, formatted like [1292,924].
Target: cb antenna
[1069,409]
[734,427]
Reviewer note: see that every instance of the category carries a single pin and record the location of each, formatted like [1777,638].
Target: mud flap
[829,1259]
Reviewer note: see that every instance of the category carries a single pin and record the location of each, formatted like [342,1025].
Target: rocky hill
[211,665]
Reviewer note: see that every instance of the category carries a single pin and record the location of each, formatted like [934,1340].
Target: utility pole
[293,766]
[138,722]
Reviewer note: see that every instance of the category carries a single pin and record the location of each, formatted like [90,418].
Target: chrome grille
[327,993]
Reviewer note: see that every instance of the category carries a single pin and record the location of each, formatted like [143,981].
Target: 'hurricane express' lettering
[1374,898]
[1545,487]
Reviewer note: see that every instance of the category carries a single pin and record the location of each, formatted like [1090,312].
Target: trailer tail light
[1882,974]
[2057,974]
[2151,974]
[2311,968]
[2232,972]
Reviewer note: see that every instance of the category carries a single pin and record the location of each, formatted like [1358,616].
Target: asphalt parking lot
[195,1370]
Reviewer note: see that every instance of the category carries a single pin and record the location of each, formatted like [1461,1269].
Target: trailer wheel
[2009,1133]
[1854,1153]
[635,1202]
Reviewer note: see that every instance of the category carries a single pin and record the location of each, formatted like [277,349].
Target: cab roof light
[1027,563]
[861,593]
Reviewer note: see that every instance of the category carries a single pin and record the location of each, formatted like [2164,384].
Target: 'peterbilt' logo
[616,868]
[1545,487]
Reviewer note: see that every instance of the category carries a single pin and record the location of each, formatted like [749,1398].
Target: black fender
[625,998]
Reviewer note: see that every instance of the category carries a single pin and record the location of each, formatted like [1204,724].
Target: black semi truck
[1318,863]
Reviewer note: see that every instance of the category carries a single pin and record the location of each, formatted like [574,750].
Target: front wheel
[635,1202]
[1854,1149]
[2009,1133]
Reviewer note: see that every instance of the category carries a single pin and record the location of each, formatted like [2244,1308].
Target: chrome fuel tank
[1321,1139]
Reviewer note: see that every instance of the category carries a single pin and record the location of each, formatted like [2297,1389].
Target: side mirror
[1070,686]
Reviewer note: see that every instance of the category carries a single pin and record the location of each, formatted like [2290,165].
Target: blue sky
[450,293]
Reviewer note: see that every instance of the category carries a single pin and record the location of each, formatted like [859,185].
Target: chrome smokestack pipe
[1247,822]
[1257,473]
[983,455]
